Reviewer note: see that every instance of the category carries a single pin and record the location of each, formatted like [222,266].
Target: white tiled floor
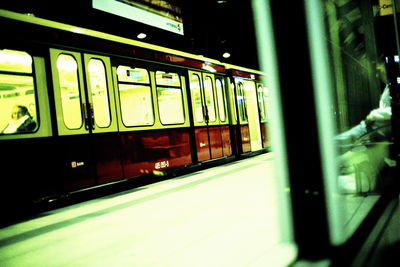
[224,216]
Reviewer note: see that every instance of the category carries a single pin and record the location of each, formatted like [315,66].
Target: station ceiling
[211,27]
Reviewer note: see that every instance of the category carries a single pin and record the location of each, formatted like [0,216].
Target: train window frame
[232,101]
[110,94]
[194,99]
[64,110]
[164,86]
[43,120]
[17,71]
[147,84]
[209,87]
[262,102]
[106,89]
[242,107]
[221,99]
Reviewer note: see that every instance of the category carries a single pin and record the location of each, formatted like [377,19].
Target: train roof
[178,57]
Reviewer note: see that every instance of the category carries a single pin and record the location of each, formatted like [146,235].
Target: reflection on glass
[262,95]
[195,92]
[232,98]
[241,102]
[169,96]
[69,91]
[167,79]
[361,109]
[221,99]
[252,113]
[209,97]
[135,96]
[99,92]
[136,105]
[170,105]
[134,75]
[17,95]
[15,61]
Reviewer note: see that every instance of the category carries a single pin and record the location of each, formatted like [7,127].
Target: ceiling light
[141,35]
[226,55]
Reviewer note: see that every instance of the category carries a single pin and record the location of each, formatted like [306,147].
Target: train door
[84,104]
[206,116]
[263,106]
[249,121]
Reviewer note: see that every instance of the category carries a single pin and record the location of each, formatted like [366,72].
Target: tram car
[104,109]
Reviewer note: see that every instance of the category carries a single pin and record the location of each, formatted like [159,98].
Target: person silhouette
[21,121]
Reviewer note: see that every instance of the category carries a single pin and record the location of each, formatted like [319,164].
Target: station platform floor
[222,216]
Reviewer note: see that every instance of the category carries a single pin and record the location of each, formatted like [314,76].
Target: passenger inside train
[21,121]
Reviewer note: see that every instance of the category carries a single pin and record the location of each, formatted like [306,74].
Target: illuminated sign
[386,7]
[160,14]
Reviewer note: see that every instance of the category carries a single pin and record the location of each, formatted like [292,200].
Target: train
[111,110]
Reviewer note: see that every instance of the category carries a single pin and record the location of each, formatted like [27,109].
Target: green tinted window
[69,90]
[135,96]
[18,111]
[99,92]
[170,99]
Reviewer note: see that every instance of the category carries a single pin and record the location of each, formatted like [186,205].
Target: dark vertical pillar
[301,129]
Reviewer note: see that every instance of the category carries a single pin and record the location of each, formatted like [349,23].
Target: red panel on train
[244,129]
[153,151]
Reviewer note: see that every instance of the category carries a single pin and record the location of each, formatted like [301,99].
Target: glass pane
[195,91]
[241,102]
[15,61]
[17,104]
[361,111]
[99,91]
[134,75]
[170,105]
[69,91]
[221,99]
[209,97]
[167,79]
[232,99]
[262,95]
[136,105]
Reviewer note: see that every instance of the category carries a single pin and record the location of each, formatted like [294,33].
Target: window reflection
[69,90]
[99,92]
[361,109]
[221,99]
[195,91]
[17,95]
[15,61]
[135,96]
[209,98]
[241,102]
[169,96]
[262,94]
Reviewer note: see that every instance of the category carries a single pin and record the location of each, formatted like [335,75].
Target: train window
[169,95]
[99,92]
[232,98]
[15,61]
[262,94]
[221,99]
[195,90]
[241,102]
[353,98]
[209,98]
[17,96]
[133,75]
[135,96]
[69,91]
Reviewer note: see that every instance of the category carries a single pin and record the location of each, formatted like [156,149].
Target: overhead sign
[160,14]
[386,7]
